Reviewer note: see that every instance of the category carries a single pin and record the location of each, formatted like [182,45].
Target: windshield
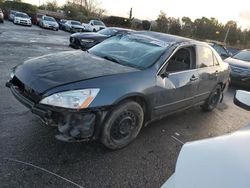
[46,18]
[130,50]
[75,23]
[21,15]
[243,55]
[96,22]
[108,32]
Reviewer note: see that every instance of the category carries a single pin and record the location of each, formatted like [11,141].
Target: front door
[177,87]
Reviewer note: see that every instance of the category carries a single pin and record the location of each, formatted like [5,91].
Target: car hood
[91,35]
[21,18]
[237,63]
[49,71]
[50,22]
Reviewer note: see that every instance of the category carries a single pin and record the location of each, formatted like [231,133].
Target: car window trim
[183,45]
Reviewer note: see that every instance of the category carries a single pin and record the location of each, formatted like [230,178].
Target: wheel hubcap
[124,126]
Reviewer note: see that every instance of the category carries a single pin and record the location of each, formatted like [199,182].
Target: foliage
[116,21]
[19,6]
[203,29]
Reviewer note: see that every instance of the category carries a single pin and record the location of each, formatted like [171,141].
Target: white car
[48,22]
[22,19]
[221,162]
[95,25]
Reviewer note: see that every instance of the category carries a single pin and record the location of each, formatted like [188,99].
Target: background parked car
[36,19]
[1,16]
[73,26]
[88,40]
[22,19]
[62,24]
[240,68]
[95,25]
[48,22]
[220,49]
[233,51]
[12,15]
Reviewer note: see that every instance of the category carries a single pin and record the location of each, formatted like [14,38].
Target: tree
[146,25]
[162,22]
[187,27]
[174,26]
[90,8]
[52,5]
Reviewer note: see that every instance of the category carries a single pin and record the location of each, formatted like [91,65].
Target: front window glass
[21,15]
[75,23]
[180,61]
[243,55]
[96,22]
[130,50]
[46,18]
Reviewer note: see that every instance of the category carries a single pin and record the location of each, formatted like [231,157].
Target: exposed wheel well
[140,100]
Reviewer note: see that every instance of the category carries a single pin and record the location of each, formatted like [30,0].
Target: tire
[94,30]
[212,100]
[123,125]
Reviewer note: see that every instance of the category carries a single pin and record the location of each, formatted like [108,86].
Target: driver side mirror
[242,99]
[91,24]
[164,74]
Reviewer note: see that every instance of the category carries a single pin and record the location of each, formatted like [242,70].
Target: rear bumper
[73,125]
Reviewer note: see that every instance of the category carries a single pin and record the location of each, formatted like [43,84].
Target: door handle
[193,78]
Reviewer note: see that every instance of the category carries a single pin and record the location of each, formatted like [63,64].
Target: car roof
[21,13]
[49,16]
[215,42]
[168,38]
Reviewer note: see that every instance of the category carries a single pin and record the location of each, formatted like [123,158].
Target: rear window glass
[205,57]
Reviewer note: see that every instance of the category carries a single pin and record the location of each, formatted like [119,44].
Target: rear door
[208,69]
[177,84]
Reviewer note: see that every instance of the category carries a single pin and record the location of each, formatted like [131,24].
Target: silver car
[48,22]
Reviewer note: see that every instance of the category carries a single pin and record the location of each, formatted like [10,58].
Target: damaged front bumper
[73,125]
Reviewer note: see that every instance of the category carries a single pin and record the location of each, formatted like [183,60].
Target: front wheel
[213,99]
[123,125]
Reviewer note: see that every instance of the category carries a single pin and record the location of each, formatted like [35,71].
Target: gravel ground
[147,162]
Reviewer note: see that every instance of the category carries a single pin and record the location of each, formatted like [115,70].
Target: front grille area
[23,22]
[24,90]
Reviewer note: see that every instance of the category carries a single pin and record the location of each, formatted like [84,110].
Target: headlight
[75,99]
[87,40]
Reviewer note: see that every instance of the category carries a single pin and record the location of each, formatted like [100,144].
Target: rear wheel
[123,125]
[213,99]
